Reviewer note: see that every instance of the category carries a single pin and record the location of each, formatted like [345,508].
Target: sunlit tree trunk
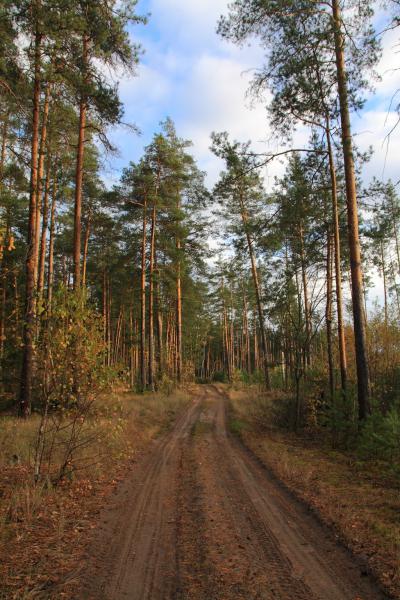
[43,238]
[328,314]
[86,246]
[384,279]
[307,315]
[143,301]
[25,394]
[41,161]
[352,219]
[178,315]
[257,290]
[159,326]
[338,266]
[79,175]
[50,274]
[151,299]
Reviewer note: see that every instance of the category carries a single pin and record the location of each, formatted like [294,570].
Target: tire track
[133,554]
[201,519]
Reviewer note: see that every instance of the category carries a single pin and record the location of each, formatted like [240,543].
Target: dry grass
[361,504]
[43,530]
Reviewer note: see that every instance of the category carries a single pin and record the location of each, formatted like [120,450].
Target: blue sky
[188,73]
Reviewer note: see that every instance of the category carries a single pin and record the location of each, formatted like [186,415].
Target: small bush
[380,437]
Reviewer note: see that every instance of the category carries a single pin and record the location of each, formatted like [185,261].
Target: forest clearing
[199,300]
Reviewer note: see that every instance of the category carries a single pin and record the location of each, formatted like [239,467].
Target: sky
[190,74]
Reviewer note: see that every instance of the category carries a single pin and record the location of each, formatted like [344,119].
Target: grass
[359,499]
[43,529]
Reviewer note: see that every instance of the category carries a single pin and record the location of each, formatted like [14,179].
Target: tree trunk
[328,314]
[257,291]
[4,136]
[385,297]
[50,275]
[178,318]
[143,302]
[25,394]
[307,316]
[352,219]
[79,175]
[338,266]
[227,345]
[42,249]
[151,299]
[41,159]
[86,246]
[159,328]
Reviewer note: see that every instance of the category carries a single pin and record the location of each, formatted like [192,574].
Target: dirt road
[201,519]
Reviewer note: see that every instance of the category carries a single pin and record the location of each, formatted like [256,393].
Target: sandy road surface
[200,519]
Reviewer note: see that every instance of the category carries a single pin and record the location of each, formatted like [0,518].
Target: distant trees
[167,189]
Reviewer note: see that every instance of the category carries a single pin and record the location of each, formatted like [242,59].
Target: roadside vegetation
[353,490]
[45,526]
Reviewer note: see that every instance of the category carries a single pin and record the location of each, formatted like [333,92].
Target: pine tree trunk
[352,219]
[151,300]
[109,331]
[307,316]
[3,314]
[25,394]
[328,314]
[385,297]
[79,176]
[227,345]
[4,136]
[178,317]
[86,246]
[257,292]
[45,219]
[159,328]
[41,159]
[143,302]
[338,266]
[50,275]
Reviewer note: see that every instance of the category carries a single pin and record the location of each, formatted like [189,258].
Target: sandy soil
[199,518]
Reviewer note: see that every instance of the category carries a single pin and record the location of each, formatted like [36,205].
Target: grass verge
[359,500]
[44,530]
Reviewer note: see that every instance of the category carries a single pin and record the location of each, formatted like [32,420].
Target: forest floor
[44,530]
[199,517]
[359,500]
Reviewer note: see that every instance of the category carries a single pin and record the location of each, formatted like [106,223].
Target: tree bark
[86,246]
[385,296]
[178,317]
[338,266]
[4,136]
[151,299]
[45,219]
[257,291]
[307,316]
[25,394]
[352,220]
[79,175]
[143,301]
[159,327]
[41,159]
[50,275]
[328,314]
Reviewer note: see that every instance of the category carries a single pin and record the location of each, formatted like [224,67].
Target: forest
[154,303]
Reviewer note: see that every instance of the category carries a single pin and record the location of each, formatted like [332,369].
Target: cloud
[199,80]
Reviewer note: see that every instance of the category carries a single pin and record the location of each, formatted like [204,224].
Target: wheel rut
[201,519]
